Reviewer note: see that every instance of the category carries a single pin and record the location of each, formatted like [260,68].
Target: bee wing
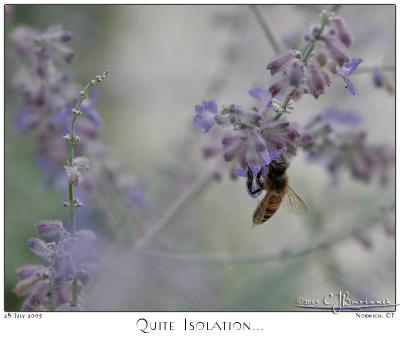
[292,203]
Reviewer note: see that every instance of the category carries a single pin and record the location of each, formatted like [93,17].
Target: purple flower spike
[347,70]
[205,115]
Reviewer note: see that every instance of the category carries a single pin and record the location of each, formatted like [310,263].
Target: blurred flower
[337,142]
[88,107]
[49,228]
[49,287]
[365,240]
[81,163]
[74,175]
[380,80]
[48,96]
[206,114]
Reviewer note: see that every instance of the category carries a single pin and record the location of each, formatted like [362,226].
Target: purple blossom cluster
[69,254]
[47,97]
[68,257]
[261,134]
[337,141]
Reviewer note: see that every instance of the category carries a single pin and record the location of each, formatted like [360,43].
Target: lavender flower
[206,114]
[280,61]
[337,142]
[342,31]
[70,257]
[48,95]
[346,71]
[51,285]
[261,134]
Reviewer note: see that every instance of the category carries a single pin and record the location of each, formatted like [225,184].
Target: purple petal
[350,86]
[211,106]
[240,172]
[261,94]
[23,119]
[352,66]
[254,168]
[276,154]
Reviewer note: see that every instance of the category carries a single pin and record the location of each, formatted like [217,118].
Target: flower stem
[73,139]
[306,55]
[265,27]
[228,258]
[184,201]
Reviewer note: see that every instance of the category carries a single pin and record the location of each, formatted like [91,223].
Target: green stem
[228,258]
[265,27]
[184,201]
[72,141]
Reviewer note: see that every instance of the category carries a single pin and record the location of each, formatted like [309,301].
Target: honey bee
[278,191]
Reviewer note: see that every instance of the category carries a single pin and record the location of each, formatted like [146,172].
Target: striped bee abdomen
[268,206]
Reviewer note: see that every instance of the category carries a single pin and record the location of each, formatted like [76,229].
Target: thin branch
[224,258]
[265,27]
[179,205]
[368,69]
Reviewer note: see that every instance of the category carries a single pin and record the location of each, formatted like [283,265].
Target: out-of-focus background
[163,61]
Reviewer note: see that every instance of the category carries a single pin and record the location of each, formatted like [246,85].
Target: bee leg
[249,180]
[258,180]
[258,190]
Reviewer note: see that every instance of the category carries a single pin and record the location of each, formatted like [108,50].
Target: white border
[122,326]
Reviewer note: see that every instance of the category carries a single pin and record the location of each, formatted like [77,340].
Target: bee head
[277,169]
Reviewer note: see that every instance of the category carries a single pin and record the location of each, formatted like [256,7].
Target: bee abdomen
[269,208]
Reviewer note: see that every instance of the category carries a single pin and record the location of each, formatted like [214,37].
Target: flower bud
[39,248]
[365,241]
[295,74]
[276,87]
[377,78]
[210,151]
[37,297]
[316,80]
[342,31]
[25,285]
[337,50]
[321,58]
[49,228]
[28,270]
[66,53]
[280,62]
[74,176]
[81,163]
